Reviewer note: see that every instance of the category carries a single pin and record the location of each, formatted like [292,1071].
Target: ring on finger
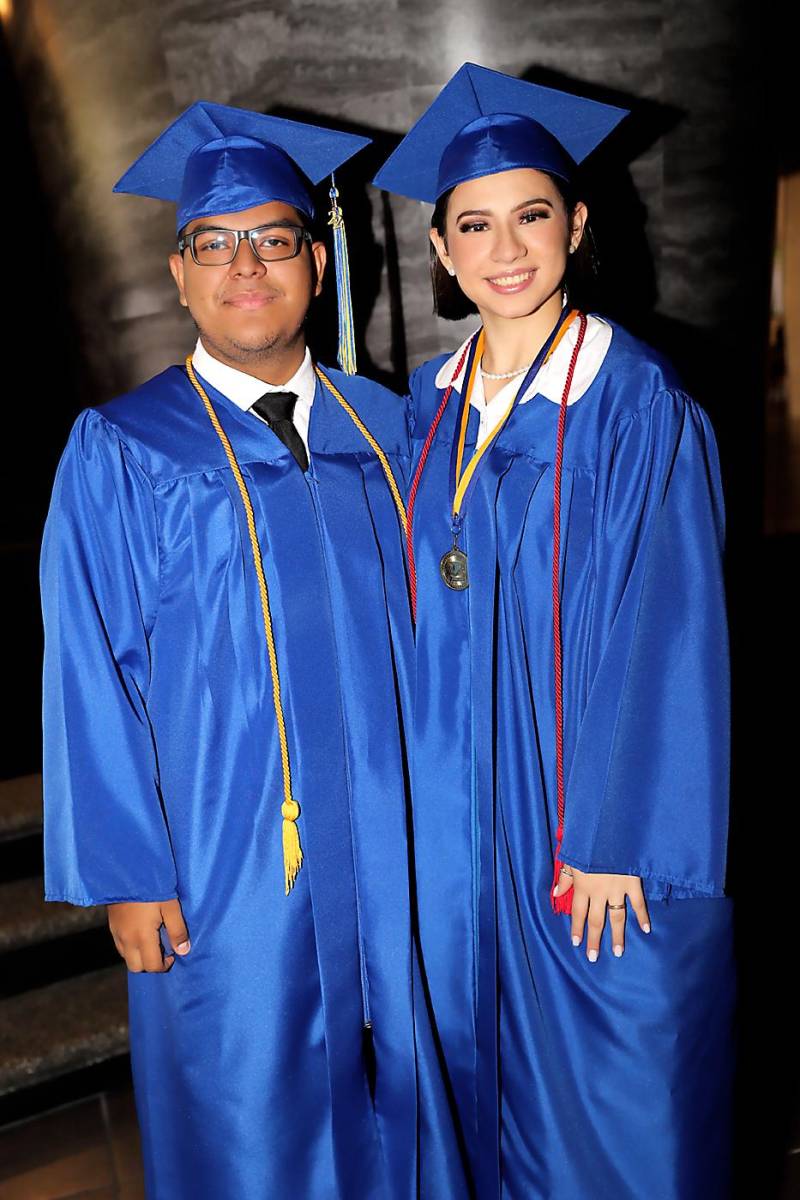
[565,871]
[616,906]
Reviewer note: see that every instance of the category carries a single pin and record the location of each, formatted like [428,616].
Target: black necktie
[277,408]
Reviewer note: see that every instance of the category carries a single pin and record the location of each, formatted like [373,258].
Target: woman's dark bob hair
[452,304]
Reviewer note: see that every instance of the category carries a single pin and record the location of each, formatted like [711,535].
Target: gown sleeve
[106,838]
[647,793]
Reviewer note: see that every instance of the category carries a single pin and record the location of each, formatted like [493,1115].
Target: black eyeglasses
[271,243]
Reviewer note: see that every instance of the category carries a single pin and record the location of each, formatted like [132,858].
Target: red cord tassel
[562,903]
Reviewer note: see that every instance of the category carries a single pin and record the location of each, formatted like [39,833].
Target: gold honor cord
[362,429]
[462,480]
[290,809]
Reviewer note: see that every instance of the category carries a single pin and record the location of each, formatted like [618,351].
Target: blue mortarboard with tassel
[483,122]
[215,159]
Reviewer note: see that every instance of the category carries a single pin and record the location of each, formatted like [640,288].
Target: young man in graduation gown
[227,639]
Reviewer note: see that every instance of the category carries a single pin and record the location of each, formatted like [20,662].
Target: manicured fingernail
[576,941]
[555,890]
[183,947]
[618,951]
[646,928]
[592,956]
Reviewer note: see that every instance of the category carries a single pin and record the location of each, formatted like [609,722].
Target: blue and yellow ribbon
[463,479]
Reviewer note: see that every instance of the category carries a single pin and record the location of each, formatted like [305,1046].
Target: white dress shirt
[243,389]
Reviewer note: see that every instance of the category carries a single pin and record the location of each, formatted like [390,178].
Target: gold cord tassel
[292,851]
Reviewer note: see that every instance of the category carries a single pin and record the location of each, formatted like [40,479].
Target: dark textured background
[100,78]
[682,201]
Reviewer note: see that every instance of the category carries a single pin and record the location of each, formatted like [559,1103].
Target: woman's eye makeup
[529,217]
[534,214]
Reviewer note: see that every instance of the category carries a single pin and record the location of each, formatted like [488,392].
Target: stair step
[25,918]
[69,1025]
[20,806]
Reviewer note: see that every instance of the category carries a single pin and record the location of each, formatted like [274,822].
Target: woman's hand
[135,930]
[592,896]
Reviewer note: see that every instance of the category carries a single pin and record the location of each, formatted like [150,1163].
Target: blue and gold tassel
[347,340]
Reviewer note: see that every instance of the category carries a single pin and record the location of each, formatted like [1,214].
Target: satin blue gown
[162,778]
[605,1081]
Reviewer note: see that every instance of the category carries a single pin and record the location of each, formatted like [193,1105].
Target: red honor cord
[561,904]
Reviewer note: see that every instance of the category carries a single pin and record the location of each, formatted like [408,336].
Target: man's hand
[135,930]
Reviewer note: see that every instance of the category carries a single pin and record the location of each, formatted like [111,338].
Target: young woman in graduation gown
[571,735]
[208,722]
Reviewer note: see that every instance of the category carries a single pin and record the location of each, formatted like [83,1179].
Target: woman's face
[507,238]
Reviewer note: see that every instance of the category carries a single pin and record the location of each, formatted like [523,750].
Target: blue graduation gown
[608,1080]
[163,779]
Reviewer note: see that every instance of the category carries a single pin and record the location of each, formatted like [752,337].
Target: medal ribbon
[463,480]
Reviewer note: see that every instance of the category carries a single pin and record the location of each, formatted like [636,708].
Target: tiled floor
[85,1151]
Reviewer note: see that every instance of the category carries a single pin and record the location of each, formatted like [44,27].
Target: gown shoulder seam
[117,433]
[636,413]
[153,486]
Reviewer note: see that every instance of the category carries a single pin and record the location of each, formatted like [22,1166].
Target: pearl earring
[572,249]
[451,270]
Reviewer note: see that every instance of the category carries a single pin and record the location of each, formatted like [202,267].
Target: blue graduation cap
[216,159]
[483,122]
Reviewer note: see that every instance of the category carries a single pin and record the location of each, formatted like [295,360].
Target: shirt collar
[243,389]
[552,377]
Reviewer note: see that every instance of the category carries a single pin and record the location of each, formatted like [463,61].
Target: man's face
[249,310]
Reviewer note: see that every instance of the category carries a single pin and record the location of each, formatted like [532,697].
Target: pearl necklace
[505,374]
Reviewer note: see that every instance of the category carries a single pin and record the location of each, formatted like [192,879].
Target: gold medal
[453,569]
